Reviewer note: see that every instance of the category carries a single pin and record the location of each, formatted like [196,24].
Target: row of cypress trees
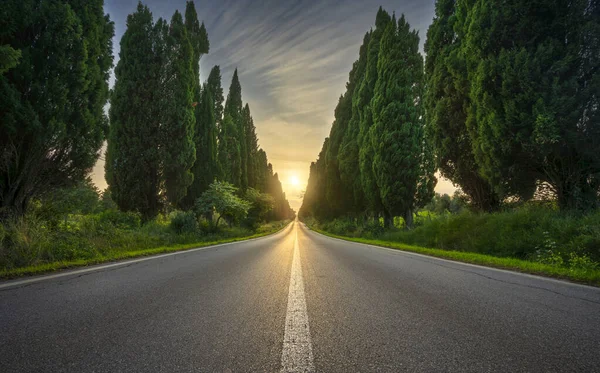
[375,159]
[170,137]
[506,105]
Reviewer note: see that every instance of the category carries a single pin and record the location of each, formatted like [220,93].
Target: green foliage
[9,58]
[52,121]
[183,222]
[221,198]
[261,203]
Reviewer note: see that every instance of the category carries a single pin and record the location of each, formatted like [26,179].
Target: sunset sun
[294,180]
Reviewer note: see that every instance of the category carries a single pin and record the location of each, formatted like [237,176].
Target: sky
[293,58]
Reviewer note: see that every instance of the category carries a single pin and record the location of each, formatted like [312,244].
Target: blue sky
[293,58]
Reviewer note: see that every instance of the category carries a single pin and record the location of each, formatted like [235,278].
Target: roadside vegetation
[535,237]
[78,226]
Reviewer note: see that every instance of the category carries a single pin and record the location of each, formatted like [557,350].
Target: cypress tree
[348,156]
[205,168]
[51,124]
[365,95]
[230,162]
[397,131]
[446,101]
[216,90]
[177,116]
[534,88]
[199,41]
[251,147]
[233,108]
[133,161]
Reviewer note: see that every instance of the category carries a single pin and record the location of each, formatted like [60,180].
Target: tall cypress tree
[348,156]
[52,122]
[233,108]
[216,90]
[397,131]
[534,89]
[200,45]
[251,147]
[177,115]
[446,101]
[365,95]
[133,162]
[205,138]
[230,162]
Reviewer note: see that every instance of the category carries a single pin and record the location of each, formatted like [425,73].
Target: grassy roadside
[120,255]
[584,276]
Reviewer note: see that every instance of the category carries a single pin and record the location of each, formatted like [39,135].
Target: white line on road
[297,353]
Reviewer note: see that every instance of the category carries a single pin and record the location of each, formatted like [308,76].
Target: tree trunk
[388,220]
[408,219]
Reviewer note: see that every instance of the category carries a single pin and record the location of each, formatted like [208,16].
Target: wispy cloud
[293,58]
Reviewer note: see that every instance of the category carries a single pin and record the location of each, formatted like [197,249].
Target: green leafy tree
[221,198]
[447,99]
[52,123]
[262,205]
[177,112]
[234,108]
[133,159]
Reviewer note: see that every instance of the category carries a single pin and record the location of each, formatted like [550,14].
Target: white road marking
[125,263]
[297,353]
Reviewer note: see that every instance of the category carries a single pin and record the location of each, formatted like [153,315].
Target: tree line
[506,105]
[169,137]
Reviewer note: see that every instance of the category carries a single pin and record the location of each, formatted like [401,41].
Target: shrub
[119,219]
[183,222]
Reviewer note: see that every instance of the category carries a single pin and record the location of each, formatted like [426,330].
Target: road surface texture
[297,301]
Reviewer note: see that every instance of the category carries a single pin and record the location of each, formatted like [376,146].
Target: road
[297,301]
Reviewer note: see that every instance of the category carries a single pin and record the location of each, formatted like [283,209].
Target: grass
[94,248]
[580,275]
[536,240]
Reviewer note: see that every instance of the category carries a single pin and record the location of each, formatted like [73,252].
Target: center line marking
[297,353]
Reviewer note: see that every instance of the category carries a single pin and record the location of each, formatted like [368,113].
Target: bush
[119,219]
[183,222]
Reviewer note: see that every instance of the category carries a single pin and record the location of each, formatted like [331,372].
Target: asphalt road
[297,301]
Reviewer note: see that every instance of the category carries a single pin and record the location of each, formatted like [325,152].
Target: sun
[294,180]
